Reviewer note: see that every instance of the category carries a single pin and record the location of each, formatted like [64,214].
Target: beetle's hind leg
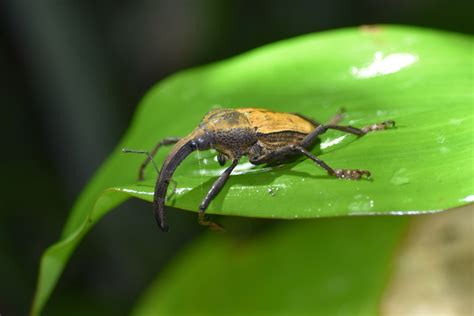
[378,126]
[351,174]
[321,129]
[287,153]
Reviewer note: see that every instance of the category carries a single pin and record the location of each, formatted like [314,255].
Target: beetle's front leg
[164,142]
[213,191]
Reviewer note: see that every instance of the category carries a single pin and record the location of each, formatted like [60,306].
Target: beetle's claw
[351,174]
[389,123]
[216,227]
[379,126]
[212,225]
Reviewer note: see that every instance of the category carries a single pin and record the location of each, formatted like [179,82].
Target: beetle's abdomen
[268,122]
[280,139]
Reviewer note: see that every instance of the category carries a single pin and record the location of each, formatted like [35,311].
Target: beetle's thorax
[229,131]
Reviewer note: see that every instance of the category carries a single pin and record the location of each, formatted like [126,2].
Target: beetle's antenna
[144,152]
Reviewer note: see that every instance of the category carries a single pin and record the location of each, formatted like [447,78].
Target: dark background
[71,75]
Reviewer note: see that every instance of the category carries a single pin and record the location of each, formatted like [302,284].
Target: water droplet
[332,142]
[400,177]
[469,198]
[179,191]
[272,191]
[131,191]
[384,65]
[456,121]
[444,150]
[361,203]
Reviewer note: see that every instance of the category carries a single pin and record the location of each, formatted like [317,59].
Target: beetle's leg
[165,142]
[216,187]
[379,126]
[259,154]
[144,152]
[352,174]
[150,158]
[321,129]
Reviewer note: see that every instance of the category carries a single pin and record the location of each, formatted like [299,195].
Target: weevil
[264,136]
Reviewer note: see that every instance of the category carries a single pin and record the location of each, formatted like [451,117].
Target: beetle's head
[200,139]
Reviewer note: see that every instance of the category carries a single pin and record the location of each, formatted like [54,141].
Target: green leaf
[420,78]
[337,266]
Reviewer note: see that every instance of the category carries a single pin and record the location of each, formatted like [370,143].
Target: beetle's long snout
[179,152]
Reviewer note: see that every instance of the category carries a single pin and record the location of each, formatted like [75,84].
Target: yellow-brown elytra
[265,136]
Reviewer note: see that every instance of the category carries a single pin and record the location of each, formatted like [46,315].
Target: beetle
[264,136]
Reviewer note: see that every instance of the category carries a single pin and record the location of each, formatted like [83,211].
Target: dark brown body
[262,135]
[256,133]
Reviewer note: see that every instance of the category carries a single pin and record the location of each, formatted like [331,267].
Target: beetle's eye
[202,143]
[193,145]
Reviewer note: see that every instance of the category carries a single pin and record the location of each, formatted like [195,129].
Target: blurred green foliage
[334,266]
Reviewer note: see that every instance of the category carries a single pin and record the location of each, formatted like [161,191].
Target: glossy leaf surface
[422,81]
[420,78]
